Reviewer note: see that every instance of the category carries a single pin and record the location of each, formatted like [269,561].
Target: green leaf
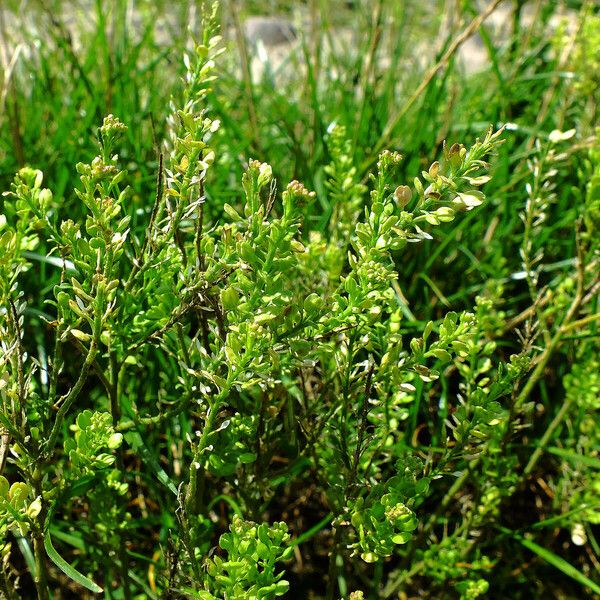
[134,439]
[588,461]
[559,563]
[27,553]
[67,569]
[4,487]
[50,260]
[74,540]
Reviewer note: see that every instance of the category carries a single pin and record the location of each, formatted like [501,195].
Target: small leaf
[115,440]
[401,538]
[34,508]
[4,486]
[18,492]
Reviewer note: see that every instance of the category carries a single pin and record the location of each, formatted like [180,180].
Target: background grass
[356,64]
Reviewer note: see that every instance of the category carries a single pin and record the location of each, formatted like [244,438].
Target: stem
[139,261]
[551,348]
[67,401]
[470,30]
[581,322]
[193,498]
[199,228]
[332,564]
[362,426]
[41,584]
[560,415]
[393,586]
[41,575]
[116,374]
[18,411]
[533,211]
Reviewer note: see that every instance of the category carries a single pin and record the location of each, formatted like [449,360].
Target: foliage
[337,370]
[252,552]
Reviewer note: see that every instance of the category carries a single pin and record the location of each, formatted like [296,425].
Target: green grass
[277,391]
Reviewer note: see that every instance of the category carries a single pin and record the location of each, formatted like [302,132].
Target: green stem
[41,584]
[333,564]
[68,400]
[546,356]
[193,499]
[117,375]
[560,415]
[393,586]
[41,575]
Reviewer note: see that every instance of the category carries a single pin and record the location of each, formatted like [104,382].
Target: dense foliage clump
[335,371]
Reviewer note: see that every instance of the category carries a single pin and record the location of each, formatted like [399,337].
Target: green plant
[249,571]
[214,384]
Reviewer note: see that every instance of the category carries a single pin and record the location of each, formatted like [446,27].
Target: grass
[246,388]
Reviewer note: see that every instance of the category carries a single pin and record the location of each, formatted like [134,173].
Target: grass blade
[27,553]
[558,562]
[67,569]
[134,439]
[588,461]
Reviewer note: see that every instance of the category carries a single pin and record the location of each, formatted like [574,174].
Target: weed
[337,370]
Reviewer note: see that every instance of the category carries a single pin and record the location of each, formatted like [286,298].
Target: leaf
[556,135]
[4,487]
[74,540]
[559,563]
[588,461]
[27,553]
[134,439]
[17,493]
[313,530]
[50,260]
[67,569]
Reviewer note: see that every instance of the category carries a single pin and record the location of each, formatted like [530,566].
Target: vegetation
[327,328]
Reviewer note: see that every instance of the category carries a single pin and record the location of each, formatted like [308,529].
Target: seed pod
[403,194]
